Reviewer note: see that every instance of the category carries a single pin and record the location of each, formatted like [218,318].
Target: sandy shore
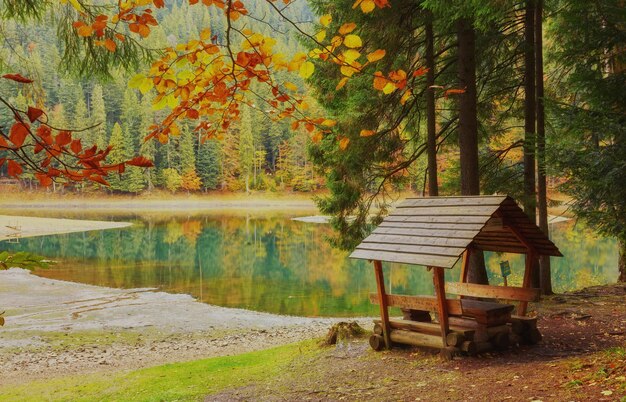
[56,328]
[15,227]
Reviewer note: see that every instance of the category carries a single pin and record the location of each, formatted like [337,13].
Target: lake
[268,262]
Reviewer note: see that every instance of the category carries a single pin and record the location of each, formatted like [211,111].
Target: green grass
[171,382]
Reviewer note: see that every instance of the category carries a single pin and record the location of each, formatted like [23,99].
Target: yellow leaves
[347,28]
[367,6]
[325,20]
[205,34]
[352,41]
[329,123]
[367,133]
[316,137]
[83,29]
[341,84]
[350,55]
[389,88]
[74,4]
[306,69]
[290,86]
[141,82]
[376,55]
[348,71]
[320,36]
[174,129]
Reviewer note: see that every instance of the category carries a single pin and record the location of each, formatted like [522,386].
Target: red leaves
[14,169]
[34,113]
[19,132]
[76,146]
[63,138]
[18,78]
[140,161]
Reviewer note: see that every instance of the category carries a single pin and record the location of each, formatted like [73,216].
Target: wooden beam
[382,296]
[426,303]
[465,264]
[425,327]
[442,306]
[489,291]
[528,274]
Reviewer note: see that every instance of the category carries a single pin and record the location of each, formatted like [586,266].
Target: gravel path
[55,328]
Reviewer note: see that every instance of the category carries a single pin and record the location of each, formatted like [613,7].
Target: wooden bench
[485,313]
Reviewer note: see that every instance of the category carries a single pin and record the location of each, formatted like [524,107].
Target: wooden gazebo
[435,232]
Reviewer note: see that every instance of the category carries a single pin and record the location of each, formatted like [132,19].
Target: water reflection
[274,264]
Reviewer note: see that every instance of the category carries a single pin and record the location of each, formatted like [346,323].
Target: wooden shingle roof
[436,231]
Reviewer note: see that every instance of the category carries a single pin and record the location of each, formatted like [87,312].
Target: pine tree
[80,118]
[98,117]
[246,148]
[209,163]
[117,155]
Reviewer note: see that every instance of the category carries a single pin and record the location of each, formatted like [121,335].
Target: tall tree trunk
[530,196]
[468,131]
[542,193]
[621,264]
[431,123]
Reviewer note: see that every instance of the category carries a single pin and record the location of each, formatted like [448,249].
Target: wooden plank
[528,272]
[452,201]
[410,249]
[489,291]
[426,303]
[487,313]
[417,241]
[382,296]
[436,219]
[455,234]
[415,259]
[442,307]
[445,210]
[474,227]
[426,327]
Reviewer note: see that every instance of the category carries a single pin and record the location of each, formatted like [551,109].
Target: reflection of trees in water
[275,264]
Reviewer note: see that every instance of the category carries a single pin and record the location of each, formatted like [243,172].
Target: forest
[366,99]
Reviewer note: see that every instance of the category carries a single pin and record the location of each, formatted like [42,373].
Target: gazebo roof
[435,231]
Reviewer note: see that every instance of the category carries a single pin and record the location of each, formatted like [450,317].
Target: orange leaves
[376,55]
[18,133]
[18,78]
[343,142]
[82,29]
[14,169]
[367,6]
[453,91]
[63,138]
[395,80]
[44,179]
[367,133]
[347,28]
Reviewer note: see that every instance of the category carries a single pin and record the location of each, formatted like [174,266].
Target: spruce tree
[246,148]
[98,117]
[117,155]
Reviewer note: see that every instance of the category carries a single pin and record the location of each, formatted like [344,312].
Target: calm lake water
[274,264]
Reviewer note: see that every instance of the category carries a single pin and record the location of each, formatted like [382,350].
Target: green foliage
[591,149]
[171,179]
[189,381]
[22,259]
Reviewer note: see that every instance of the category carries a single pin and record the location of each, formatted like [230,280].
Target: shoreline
[15,227]
[77,328]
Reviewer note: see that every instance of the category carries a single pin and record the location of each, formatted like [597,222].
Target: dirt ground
[582,358]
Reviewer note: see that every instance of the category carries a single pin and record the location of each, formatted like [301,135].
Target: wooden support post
[442,307]
[382,297]
[465,264]
[528,274]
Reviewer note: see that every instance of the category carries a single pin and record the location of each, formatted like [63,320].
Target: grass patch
[172,382]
